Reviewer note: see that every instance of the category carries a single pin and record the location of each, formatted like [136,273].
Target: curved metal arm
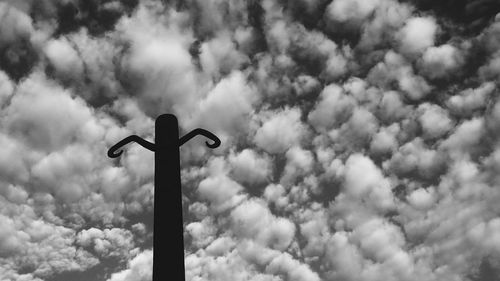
[202,132]
[112,152]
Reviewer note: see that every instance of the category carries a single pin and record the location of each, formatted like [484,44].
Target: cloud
[113,242]
[219,190]
[280,131]
[6,90]
[234,98]
[139,269]
[417,34]
[364,179]
[64,58]
[434,120]
[385,140]
[333,108]
[441,61]
[351,11]
[253,219]
[359,138]
[16,25]
[470,100]
[249,167]
[33,116]
[395,69]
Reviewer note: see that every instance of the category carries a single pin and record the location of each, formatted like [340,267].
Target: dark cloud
[471,15]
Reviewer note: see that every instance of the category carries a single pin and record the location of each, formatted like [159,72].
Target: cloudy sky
[360,138]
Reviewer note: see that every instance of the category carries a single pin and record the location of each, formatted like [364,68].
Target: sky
[359,138]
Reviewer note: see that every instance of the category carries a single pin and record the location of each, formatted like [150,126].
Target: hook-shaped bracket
[203,132]
[115,151]
[112,152]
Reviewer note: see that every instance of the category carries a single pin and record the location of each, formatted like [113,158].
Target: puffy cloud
[203,232]
[434,120]
[392,107]
[280,131]
[364,180]
[441,61]
[385,140]
[333,108]
[422,198]
[417,34]
[100,72]
[395,69]
[249,167]
[219,190]
[415,158]
[163,53]
[31,241]
[219,55]
[113,242]
[44,114]
[351,11]
[387,18]
[252,219]
[292,269]
[64,172]
[466,135]
[228,105]
[139,269]
[358,138]
[470,100]
[64,58]
[16,25]
[6,89]
[299,163]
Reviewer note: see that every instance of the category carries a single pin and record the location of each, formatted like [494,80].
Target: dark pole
[168,235]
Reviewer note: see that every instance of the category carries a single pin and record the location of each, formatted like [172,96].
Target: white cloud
[249,167]
[219,55]
[359,139]
[417,158]
[15,24]
[364,180]
[422,198]
[385,140]
[64,58]
[351,11]
[280,131]
[139,269]
[113,242]
[292,269]
[465,136]
[252,219]
[417,34]
[469,100]
[6,89]
[333,107]
[435,121]
[228,106]
[441,61]
[299,163]
[44,114]
[395,69]
[219,190]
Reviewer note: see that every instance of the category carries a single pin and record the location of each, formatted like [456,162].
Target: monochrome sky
[360,138]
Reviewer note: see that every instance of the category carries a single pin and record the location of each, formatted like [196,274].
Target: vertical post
[168,240]
[168,234]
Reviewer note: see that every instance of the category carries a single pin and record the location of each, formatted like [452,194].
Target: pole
[168,239]
[168,229]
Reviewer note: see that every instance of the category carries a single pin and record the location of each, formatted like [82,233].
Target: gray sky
[359,138]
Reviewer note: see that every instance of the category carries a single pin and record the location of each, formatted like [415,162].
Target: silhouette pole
[168,239]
